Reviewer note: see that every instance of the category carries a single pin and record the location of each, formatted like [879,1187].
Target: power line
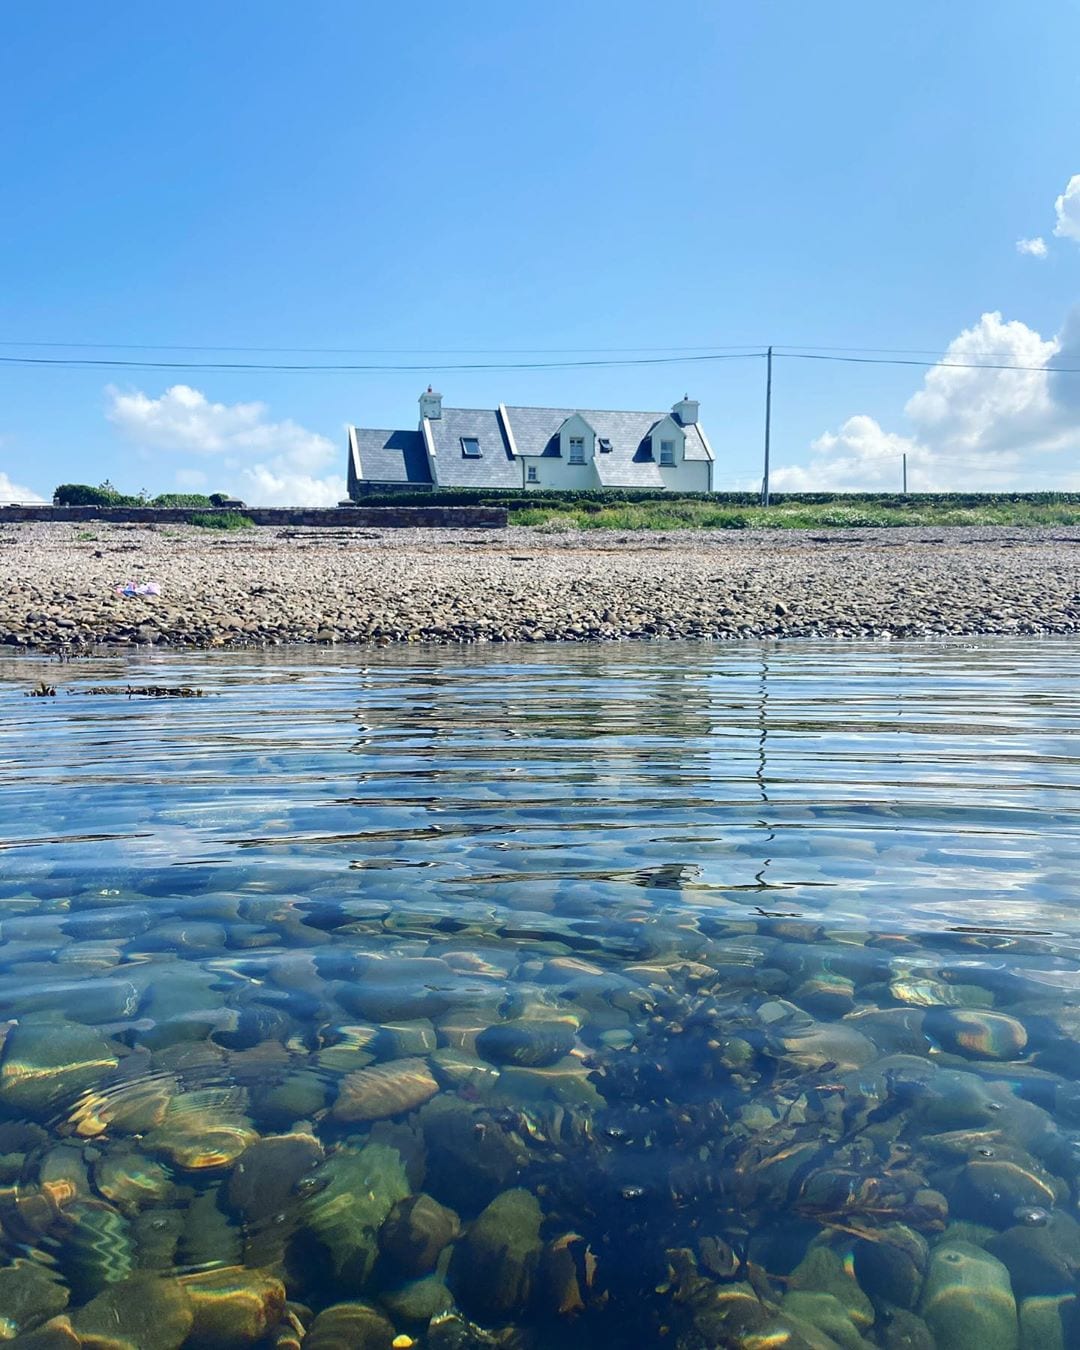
[926,365]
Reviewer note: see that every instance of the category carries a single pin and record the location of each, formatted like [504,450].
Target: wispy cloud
[1067,210]
[1034,248]
[15,492]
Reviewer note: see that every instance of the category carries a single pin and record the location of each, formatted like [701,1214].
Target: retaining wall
[369,517]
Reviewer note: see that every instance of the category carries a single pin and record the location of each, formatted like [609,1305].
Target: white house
[508,447]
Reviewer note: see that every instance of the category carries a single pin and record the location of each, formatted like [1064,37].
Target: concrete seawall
[334,517]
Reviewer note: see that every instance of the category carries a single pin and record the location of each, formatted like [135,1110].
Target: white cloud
[1067,208]
[991,428]
[267,463]
[14,492]
[1034,248]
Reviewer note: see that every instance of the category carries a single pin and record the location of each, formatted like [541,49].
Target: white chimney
[430,404]
[686,410]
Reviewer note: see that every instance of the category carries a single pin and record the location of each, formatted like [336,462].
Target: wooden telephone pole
[768,427]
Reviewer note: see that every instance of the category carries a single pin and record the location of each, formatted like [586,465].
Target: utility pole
[904,457]
[768,427]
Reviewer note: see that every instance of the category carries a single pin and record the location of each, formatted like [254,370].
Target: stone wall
[369,517]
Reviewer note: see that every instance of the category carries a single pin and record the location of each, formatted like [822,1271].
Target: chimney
[686,410]
[430,404]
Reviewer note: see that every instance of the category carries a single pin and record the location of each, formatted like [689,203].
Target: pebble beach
[58,585]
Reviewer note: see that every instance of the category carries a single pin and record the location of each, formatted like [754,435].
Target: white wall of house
[691,475]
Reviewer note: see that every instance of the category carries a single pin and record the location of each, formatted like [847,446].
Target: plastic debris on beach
[131,589]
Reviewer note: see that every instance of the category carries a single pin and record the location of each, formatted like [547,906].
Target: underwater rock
[821,1043]
[203,1130]
[350,1326]
[131,1180]
[156,1233]
[144,1310]
[470,1159]
[1048,1322]
[384,1090]
[97,1249]
[47,1061]
[29,1294]
[904,1331]
[360,1188]
[967,1300]
[353,1048]
[56,1334]
[1043,1259]
[392,988]
[977,1034]
[418,1300]
[63,1175]
[526,1042]
[995,1183]
[456,1069]
[493,1268]
[826,1313]
[299,1096]
[416,1231]
[234,1307]
[127,1108]
[825,1271]
[399,1040]
[451,1331]
[209,1239]
[266,1174]
[890,1267]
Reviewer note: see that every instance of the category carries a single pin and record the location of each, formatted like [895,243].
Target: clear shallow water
[702,995]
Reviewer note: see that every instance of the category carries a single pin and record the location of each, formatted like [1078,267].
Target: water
[703,996]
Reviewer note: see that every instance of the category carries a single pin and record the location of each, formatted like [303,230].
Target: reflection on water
[679,996]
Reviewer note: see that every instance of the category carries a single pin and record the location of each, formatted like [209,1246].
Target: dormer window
[470,447]
[604,444]
[577,450]
[667,452]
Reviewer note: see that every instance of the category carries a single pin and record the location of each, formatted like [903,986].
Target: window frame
[571,442]
[471,454]
[669,462]
[532,473]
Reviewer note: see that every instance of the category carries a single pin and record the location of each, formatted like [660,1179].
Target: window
[533,476]
[667,452]
[470,447]
[577,450]
[605,445]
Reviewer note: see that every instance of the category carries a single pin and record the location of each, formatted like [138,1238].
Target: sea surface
[640,995]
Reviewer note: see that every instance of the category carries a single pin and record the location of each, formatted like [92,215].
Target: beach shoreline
[266,586]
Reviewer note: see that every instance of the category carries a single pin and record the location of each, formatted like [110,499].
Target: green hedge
[584,498]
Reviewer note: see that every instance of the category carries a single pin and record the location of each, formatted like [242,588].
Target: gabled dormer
[577,440]
[668,442]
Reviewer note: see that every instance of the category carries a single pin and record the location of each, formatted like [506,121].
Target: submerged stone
[977,1034]
[97,1249]
[1048,1322]
[416,1231]
[418,1300]
[350,1326]
[494,1266]
[266,1173]
[46,1062]
[131,1180]
[890,1267]
[968,1301]
[144,1310]
[385,1090]
[29,1294]
[234,1307]
[470,1158]
[825,1271]
[527,1042]
[359,1189]
[826,1313]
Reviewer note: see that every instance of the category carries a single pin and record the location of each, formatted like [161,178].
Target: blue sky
[418,182]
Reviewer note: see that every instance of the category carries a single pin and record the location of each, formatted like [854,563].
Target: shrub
[181,499]
[82,494]
[222,520]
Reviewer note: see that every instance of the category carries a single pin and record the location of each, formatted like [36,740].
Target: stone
[976,1033]
[527,1042]
[29,1294]
[470,1158]
[350,1326]
[493,1268]
[418,1300]
[97,1249]
[967,1300]
[299,1096]
[1041,1259]
[143,1310]
[359,1189]
[825,1312]
[266,1174]
[825,1271]
[890,1268]
[56,1334]
[49,1062]
[384,1090]
[996,1182]
[416,1231]
[904,1331]
[233,1307]
[131,1180]
[204,1130]
[1048,1322]
[399,1040]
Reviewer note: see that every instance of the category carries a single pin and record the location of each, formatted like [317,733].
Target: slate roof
[399,456]
[391,456]
[496,466]
[628,463]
